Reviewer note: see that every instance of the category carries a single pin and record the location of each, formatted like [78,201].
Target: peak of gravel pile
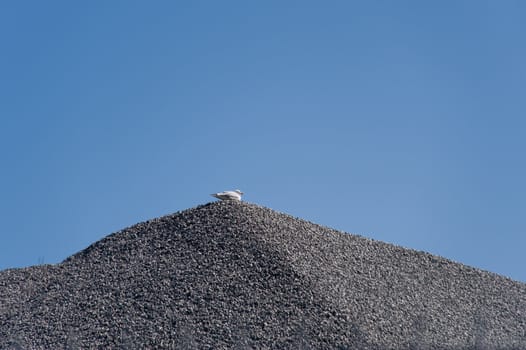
[234,275]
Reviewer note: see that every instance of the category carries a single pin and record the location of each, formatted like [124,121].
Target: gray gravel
[234,275]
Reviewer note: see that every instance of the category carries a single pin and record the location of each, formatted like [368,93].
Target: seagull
[228,195]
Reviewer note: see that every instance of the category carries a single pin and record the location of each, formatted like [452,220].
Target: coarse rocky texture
[234,275]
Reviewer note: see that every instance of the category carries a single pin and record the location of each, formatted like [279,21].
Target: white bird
[228,195]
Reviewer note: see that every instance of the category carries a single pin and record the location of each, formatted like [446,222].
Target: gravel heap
[234,275]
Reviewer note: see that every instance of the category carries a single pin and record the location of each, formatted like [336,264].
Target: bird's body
[228,195]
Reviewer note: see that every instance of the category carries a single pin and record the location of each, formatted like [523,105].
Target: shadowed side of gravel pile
[196,279]
[235,275]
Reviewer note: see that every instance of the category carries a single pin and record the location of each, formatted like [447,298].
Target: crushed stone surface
[235,275]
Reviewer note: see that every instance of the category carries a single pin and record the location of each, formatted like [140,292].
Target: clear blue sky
[403,121]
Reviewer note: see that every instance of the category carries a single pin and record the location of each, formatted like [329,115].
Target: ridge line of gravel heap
[234,275]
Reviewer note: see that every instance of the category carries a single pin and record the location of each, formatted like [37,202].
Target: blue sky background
[403,121]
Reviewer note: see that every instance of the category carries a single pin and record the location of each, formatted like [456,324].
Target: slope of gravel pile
[233,275]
